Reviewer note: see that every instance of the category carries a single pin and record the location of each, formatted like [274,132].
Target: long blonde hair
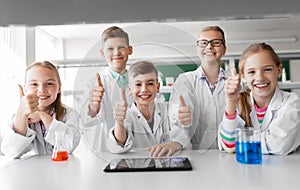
[244,97]
[57,105]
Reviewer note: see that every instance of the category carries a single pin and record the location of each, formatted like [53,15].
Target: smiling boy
[103,96]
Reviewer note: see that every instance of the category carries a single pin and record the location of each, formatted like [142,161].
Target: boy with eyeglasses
[203,92]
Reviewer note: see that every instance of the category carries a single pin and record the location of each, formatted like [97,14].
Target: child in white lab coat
[145,124]
[97,106]
[40,114]
[203,92]
[263,106]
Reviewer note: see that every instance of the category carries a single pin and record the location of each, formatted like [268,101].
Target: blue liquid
[248,152]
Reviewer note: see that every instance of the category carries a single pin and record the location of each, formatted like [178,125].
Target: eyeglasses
[214,43]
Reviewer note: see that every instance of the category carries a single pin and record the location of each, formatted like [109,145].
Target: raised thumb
[182,102]
[233,71]
[123,95]
[21,90]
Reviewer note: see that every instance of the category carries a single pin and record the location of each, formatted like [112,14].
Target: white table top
[211,170]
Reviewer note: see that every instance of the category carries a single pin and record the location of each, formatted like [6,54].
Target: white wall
[47,47]
[294,72]
[81,48]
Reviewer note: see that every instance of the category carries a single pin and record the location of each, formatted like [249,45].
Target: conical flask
[60,151]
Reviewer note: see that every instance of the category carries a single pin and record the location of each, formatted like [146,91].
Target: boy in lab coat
[145,124]
[97,110]
[203,92]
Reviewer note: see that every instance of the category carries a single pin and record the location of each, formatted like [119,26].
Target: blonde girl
[40,114]
[263,105]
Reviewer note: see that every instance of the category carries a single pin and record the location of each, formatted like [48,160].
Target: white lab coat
[33,143]
[139,134]
[280,130]
[104,120]
[207,109]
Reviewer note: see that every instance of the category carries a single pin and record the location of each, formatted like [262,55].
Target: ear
[102,52]
[158,87]
[279,71]
[129,90]
[130,49]
[224,51]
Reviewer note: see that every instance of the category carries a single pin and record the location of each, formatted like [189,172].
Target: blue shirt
[122,80]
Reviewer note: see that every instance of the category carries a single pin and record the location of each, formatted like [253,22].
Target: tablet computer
[149,164]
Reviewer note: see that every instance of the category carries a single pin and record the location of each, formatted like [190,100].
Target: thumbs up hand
[232,86]
[21,90]
[184,113]
[121,108]
[96,96]
[28,103]
[232,89]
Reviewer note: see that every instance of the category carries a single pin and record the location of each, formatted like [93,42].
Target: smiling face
[261,74]
[210,54]
[116,52]
[144,88]
[43,82]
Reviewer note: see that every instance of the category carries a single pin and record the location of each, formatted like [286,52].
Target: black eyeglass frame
[210,42]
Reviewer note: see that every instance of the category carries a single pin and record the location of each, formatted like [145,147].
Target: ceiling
[281,31]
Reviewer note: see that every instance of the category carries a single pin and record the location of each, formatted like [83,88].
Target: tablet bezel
[186,165]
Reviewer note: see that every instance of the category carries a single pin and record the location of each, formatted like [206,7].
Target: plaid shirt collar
[212,87]
[220,77]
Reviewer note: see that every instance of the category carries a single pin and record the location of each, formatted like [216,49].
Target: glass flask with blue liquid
[248,146]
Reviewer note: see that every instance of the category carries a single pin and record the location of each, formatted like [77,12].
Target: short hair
[142,67]
[114,32]
[215,28]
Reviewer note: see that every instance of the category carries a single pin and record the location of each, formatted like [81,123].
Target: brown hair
[215,28]
[244,97]
[57,105]
[114,32]
[142,67]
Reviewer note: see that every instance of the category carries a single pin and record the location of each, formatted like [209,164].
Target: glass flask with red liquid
[60,151]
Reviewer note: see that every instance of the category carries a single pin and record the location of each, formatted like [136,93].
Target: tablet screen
[149,164]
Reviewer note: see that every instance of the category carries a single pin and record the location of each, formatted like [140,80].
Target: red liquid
[60,156]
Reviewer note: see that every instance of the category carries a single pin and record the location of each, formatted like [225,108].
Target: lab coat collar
[274,105]
[117,75]
[139,117]
[221,78]
[276,100]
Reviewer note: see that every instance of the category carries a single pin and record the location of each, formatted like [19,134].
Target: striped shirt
[227,132]
[260,113]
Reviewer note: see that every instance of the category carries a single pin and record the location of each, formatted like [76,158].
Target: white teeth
[144,96]
[261,85]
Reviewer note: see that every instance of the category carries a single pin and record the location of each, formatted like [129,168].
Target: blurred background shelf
[289,85]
